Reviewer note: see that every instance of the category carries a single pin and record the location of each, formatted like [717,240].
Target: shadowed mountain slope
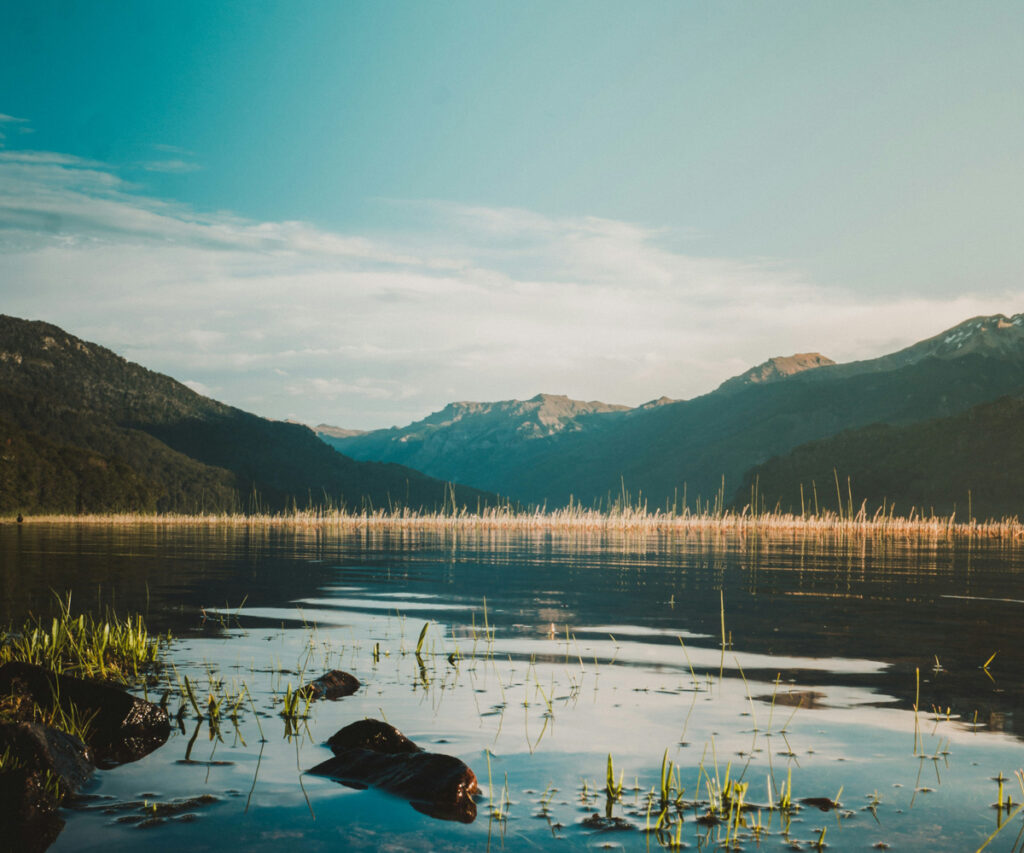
[70,406]
[971,463]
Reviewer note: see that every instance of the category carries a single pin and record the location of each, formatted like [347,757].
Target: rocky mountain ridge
[686,448]
[775,369]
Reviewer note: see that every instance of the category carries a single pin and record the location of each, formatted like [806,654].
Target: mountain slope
[40,475]
[189,451]
[775,369]
[971,463]
[699,442]
[689,446]
[996,336]
[469,440]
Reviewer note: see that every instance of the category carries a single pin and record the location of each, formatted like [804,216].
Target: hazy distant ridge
[467,437]
[588,451]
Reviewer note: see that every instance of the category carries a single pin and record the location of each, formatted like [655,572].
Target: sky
[354,213]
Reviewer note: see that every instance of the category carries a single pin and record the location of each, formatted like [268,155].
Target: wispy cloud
[332,389]
[12,123]
[48,158]
[178,167]
[286,318]
[173,149]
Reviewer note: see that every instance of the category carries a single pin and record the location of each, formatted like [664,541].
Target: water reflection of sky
[575,655]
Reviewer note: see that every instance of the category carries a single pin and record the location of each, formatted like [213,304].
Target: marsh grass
[66,717]
[709,521]
[108,648]
[295,705]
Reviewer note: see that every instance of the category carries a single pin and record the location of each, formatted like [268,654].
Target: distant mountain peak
[660,401]
[492,430]
[775,369]
[1006,328]
[992,335]
[337,432]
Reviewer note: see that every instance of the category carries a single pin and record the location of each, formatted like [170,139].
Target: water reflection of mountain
[169,574]
[905,604]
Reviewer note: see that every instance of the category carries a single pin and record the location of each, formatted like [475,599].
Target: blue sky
[356,212]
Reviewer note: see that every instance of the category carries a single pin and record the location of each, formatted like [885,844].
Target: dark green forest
[971,463]
[84,430]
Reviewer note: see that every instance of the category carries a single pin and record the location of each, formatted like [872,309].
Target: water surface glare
[546,652]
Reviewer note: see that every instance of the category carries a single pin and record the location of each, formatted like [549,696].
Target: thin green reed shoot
[786,798]
[68,718]
[796,708]
[665,782]
[543,695]
[488,635]
[213,709]
[1001,826]
[613,788]
[721,598]
[746,686]
[192,697]
[290,709]
[775,690]
[693,675]
[495,810]
[918,745]
[423,636]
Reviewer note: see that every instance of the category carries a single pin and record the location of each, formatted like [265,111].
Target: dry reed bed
[584,521]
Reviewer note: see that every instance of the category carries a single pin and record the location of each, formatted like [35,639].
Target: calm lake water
[545,653]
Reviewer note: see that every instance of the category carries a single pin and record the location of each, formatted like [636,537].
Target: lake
[545,651]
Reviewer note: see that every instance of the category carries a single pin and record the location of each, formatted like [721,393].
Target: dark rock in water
[823,803]
[331,685]
[124,728]
[370,752]
[41,766]
[40,747]
[435,784]
[373,735]
[606,824]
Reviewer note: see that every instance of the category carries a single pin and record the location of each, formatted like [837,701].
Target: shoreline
[743,524]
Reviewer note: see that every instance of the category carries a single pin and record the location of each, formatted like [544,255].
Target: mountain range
[936,426]
[84,430]
[788,421]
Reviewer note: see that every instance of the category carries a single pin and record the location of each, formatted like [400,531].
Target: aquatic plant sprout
[109,649]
